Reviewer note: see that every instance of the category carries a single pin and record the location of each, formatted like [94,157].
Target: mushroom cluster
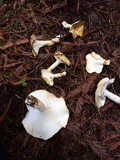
[47,114]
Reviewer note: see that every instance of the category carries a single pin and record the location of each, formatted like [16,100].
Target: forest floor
[91,133]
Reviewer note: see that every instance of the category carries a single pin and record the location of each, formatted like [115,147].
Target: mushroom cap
[60,56]
[77,29]
[99,93]
[37,44]
[45,124]
[47,76]
[93,63]
[32,39]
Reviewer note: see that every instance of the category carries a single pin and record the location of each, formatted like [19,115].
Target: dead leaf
[114,146]
[1,38]
[83,88]
[116,53]
[11,65]
[7,45]
[22,41]
[55,7]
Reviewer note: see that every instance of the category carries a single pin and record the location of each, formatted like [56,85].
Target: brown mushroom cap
[62,58]
[32,39]
[77,28]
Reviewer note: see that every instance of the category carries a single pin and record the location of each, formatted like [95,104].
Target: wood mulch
[91,133]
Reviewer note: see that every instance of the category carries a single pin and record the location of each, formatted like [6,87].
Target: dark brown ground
[91,134]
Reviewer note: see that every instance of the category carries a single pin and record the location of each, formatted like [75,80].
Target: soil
[91,133]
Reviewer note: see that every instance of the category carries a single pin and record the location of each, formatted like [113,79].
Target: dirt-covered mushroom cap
[77,28]
[48,76]
[46,122]
[62,58]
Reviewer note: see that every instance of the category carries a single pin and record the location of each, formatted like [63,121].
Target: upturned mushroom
[76,28]
[47,75]
[37,44]
[95,63]
[101,93]
[46,115]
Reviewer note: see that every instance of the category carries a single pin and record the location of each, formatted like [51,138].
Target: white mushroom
[76,28]
[47,74]
[37,44]
[95,63]
[101,93]
[46,115]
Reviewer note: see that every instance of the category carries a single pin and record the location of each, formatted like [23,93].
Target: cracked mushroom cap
[77,29]
[60,56]
[99,93]
[45,123]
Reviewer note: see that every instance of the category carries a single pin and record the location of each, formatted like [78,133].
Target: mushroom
[60,58]
[76,28]
[47,74]
[46,115]
[37,44]
[95,63]
[101,93]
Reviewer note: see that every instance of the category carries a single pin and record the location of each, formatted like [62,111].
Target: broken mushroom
[47,74]
[37,44]
[46,115]
[95,63]
[76,28]
[101,93]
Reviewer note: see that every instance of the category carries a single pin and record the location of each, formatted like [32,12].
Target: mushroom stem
[112,96]
[66,25]
[101,61]
[54,65]
[35,102]
[57,75]
[47,43]
[57,39]
[38,44]
[106,62]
